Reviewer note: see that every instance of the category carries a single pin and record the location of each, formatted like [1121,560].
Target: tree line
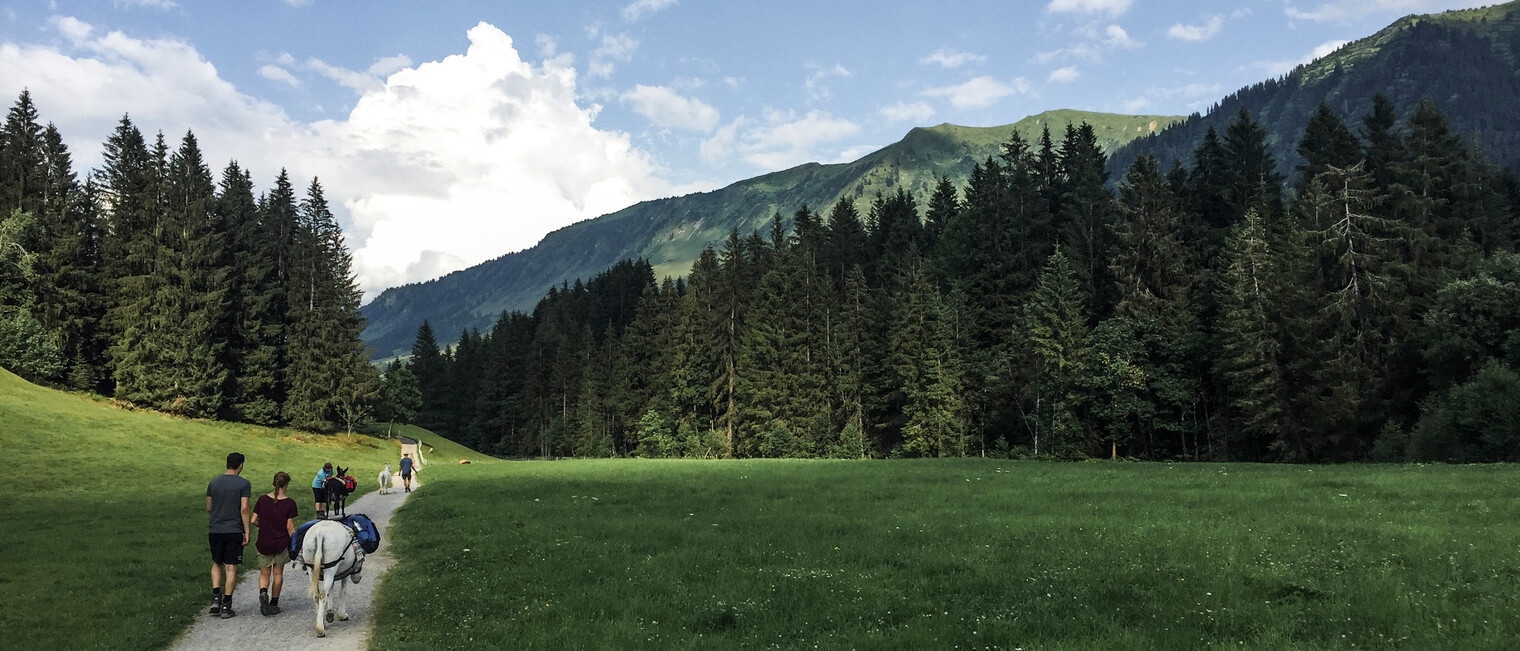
[151,282]
[1367,310]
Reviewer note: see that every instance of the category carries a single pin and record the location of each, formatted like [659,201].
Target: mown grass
[943,554]
[102,513]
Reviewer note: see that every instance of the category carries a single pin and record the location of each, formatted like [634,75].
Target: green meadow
[944,554]
[102,512]
[102,546]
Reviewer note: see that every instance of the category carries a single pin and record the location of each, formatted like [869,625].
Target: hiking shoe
[227,612]
[216,607]
[274,609]
[264,605]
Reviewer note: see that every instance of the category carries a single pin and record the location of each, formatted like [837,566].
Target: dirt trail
[294,629]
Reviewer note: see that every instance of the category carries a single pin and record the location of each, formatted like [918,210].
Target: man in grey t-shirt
[227,503]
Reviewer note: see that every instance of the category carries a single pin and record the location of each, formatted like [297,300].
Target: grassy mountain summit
[670,233]
[1466,62]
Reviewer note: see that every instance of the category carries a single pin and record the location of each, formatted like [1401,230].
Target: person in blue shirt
[406,471]
[318,491]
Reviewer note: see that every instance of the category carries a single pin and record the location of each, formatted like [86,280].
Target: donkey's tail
[316,568]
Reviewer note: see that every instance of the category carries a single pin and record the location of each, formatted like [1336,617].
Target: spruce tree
[23,170]
[1327,142]
[256,327]
[1056,338]
[140,266]
[1248,341]
[330,379]
[925,368]
[1087,215]
[68,267]
[194,270]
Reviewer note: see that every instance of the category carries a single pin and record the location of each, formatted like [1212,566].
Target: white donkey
[332,556]
[385,479]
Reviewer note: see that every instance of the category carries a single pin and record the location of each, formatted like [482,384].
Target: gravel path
[294,629]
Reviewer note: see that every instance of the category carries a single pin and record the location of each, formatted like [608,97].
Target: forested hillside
[1197,314]
[671,233]
[1467,63]
[150,282]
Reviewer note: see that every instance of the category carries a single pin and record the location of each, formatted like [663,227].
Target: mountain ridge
[671,232]
[1463,60]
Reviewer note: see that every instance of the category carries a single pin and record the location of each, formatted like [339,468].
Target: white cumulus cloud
[1202,32]
[978,92]
[442,165]
[1107,7]
[666,108]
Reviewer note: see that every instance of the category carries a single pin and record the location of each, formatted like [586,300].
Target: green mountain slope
[1466,62]
[670,233]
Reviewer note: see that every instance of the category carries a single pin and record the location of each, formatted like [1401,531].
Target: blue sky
[448,133]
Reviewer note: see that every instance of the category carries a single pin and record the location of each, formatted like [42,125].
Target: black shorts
[227,548]
[406,475]
[320,494]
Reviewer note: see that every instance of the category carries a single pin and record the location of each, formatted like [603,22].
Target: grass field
[103,522]
[955,554]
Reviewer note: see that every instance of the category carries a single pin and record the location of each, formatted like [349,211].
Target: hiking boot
[264,605]
[227,612]
[216,606]
[274,609]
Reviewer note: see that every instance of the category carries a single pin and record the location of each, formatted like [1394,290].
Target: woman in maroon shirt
[275,516]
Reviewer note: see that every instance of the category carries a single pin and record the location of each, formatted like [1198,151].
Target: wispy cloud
[1274,68]
[947,58]
[979,92]
[275,73]
[1116,37]
[1204,32]
[1105,7]
[1064,75]
[1096,42]
[386,66]
[643,8]
[782,140]
[666,108]
[816,82]
[150,4]
[359,82]
[1346,10]
[615,48]
[918,112]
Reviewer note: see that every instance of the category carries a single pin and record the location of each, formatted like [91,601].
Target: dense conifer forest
[1368,308]
[154,283]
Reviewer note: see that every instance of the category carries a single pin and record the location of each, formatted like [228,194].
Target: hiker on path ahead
[319,489]
[227,503]
[275,516]
[406,471]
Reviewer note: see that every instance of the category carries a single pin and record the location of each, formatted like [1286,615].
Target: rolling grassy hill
[670,233]
[103,541]
[1466,62]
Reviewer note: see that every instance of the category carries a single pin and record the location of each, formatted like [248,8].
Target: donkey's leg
[342,600]
[321,612]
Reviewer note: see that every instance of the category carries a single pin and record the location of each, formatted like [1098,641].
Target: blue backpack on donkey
[365,532]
